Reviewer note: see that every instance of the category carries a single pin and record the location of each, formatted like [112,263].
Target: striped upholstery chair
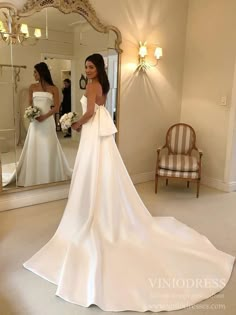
[179,162]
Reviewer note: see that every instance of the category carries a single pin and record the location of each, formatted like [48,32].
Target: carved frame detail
[83,7]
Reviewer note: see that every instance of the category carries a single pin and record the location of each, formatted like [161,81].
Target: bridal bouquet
[67,120]
[32,112]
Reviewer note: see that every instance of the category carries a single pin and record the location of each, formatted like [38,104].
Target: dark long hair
[98,61]
[44,73]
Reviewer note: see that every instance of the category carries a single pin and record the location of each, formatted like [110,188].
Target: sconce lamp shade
[24,29]
[37,33]
[142,50]
[2,29]
[158,52]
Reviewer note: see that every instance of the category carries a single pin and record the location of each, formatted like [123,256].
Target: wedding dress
[42,159]
[109,251]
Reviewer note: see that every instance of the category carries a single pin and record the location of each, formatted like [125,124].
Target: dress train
[109,251]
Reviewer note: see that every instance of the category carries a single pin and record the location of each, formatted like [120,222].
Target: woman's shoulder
[53,89]
[34,87]
[94,87]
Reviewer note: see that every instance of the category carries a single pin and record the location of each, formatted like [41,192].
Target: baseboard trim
[13,200]
[219,184]
[21,199]
[207,181]
[142,177]
[232,186]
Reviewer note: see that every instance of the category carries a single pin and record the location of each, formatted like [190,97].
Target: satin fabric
[109,251]
[42,159]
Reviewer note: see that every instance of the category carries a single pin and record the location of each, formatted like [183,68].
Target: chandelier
[12,32]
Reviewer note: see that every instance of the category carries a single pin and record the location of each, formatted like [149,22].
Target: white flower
[63,118]
[67,120]
[32,112]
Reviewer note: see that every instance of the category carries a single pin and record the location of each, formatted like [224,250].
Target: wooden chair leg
[198,187]
[188,184]
[156,183]
[166,181]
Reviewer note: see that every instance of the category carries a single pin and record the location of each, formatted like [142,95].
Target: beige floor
[24,231]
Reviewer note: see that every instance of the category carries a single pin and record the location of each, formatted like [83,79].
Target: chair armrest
[200,152]
[158,156]
[160,148]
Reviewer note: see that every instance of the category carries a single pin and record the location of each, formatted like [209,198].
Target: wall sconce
[143,52]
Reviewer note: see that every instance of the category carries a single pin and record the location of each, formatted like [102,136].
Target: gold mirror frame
[84,8]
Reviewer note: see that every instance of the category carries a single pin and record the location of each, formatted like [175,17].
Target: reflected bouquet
[67,120]
[32,112]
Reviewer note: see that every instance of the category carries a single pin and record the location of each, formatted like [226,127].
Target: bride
[42,159]
[108,250]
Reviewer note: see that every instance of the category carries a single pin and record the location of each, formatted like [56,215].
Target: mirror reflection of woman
[42,159]
[108,250]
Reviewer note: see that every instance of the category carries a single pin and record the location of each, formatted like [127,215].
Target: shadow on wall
[145,90]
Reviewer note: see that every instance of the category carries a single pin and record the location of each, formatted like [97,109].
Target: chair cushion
[169,173]
[179,162]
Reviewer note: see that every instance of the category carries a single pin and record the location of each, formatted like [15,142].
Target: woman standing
[108,250]
[42,159]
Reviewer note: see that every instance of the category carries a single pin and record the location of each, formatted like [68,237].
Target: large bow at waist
[105,122]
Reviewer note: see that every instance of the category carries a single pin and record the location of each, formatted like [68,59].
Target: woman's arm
[56,107]
[91,99]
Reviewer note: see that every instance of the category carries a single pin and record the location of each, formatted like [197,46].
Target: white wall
[208,75]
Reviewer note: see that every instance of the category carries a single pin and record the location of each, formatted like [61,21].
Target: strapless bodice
[83,101]
[101,117]
[43,100]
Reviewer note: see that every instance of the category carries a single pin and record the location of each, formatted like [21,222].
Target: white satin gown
[109,251]
[42,159]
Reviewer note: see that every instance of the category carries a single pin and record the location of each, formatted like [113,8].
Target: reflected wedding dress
[42,159]
[109,251]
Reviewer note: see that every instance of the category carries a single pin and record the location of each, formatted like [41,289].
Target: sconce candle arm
[143,52]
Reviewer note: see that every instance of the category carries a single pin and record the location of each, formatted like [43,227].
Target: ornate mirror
[61,34]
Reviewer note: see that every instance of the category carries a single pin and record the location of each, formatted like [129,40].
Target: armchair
[178,162]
